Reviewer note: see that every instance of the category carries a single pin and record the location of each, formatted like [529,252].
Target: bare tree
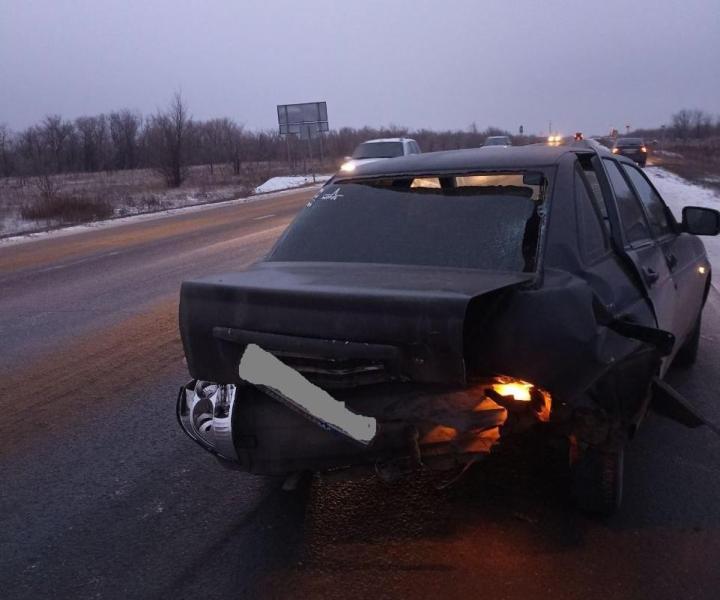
[93,138]
[222,141]
[237,146]
[681,123]
[211,137]
[701,123]
[7,164]
[56,137]
[169,136]
[124,129]
[692,123]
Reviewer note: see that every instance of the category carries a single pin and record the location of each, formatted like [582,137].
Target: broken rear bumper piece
[277,421]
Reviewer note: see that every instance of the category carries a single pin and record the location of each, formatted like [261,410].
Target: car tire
[687,355]
[597,480]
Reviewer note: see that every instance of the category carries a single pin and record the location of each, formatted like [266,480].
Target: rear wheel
[597,479]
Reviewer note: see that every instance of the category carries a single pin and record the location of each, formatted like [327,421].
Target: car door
[621,298]
[645,253]
[679,250]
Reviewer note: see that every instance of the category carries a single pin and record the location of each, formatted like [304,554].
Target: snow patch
[275,184]
[678,192]
[115,222]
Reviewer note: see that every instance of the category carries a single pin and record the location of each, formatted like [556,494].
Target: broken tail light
[517,395]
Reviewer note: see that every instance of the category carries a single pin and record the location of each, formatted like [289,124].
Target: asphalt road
[101,495]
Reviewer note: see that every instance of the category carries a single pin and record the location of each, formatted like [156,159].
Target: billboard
[305,119]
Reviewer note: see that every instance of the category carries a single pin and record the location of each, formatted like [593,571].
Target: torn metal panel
[275,434]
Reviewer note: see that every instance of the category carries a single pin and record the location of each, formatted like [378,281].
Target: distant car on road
[421,311]
[498,140]
[634,148]
[379,149]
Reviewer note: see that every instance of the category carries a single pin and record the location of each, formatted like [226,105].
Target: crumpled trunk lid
[341,325]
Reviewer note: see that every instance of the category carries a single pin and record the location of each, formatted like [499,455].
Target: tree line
[685,125]
[170,141]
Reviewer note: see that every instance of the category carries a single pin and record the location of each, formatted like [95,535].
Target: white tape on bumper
[261,368]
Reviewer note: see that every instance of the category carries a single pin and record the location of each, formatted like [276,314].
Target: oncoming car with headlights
[422,311]
[373,150]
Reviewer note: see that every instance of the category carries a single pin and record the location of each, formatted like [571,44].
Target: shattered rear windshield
[485,221]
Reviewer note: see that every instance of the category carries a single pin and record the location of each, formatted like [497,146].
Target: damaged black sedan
[423,310]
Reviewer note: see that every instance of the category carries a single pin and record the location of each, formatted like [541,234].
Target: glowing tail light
[516,394]
[519,390]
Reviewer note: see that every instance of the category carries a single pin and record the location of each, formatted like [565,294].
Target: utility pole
[309,148]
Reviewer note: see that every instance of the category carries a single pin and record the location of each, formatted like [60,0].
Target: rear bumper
[243,425]
[638,157]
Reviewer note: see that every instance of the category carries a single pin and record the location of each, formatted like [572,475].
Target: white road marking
[77,262]
[263,217]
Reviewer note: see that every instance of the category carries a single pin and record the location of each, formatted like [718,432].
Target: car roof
[385,140]
[488,157]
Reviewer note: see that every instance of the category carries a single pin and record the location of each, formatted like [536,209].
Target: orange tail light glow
[520,390]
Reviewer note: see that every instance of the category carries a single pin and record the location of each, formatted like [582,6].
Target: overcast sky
[418,63]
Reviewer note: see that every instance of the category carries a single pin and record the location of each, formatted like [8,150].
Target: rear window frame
[549,172]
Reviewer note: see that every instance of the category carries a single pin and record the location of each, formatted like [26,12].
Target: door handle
[651,275]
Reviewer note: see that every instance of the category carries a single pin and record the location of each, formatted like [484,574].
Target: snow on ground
[61,232]
[678,192]
[275,184]
[123,203]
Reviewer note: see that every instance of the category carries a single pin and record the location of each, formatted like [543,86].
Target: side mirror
[700,221]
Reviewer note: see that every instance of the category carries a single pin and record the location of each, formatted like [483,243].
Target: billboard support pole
[287,144]
[309,148]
